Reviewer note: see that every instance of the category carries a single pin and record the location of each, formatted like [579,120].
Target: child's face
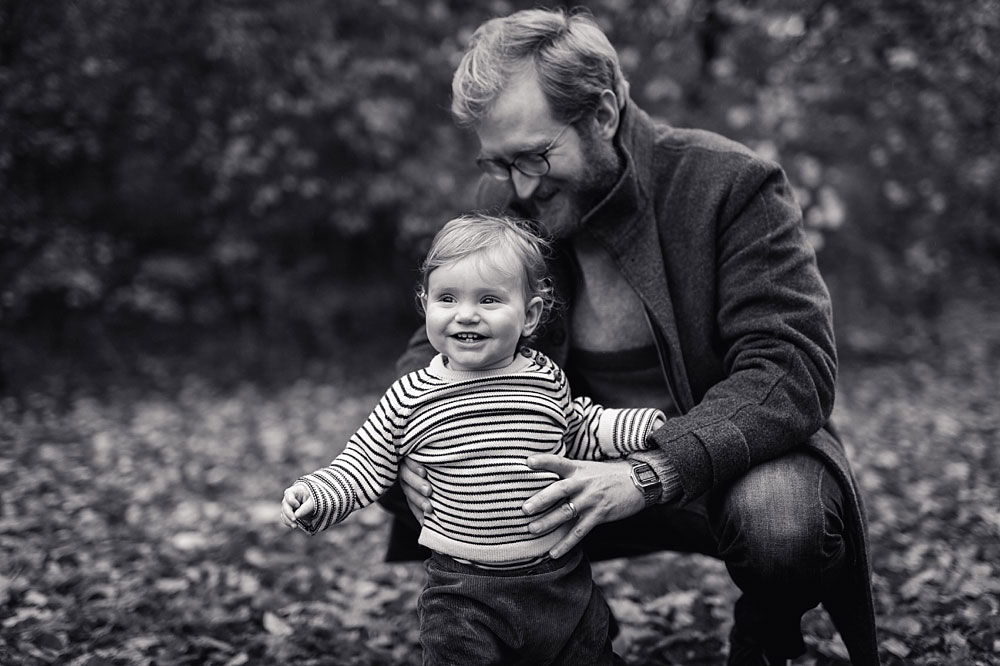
[476,312]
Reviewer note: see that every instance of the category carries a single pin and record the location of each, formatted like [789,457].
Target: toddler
[471,418]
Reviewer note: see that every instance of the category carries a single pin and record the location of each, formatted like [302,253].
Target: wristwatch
[646,480]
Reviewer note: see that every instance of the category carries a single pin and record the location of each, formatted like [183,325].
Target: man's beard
[563,216]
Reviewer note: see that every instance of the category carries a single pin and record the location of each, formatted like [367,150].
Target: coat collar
[622,208]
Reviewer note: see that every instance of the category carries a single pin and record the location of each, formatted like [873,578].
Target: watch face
[646,475]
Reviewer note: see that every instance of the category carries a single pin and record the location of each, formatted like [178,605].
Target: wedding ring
[572,508]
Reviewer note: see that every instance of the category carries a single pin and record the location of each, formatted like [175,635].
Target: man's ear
[608,115]
[532,316]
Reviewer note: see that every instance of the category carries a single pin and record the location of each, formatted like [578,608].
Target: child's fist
[296,505]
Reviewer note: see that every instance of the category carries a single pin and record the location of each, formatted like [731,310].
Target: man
[689,286]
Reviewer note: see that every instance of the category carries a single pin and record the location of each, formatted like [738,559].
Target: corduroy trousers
[551,613]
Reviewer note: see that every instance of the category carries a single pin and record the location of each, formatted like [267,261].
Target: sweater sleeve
[594,432]
[363,471]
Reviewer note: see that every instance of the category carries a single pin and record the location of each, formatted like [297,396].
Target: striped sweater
[472,431]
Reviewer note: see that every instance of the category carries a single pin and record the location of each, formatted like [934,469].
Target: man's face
[583,165]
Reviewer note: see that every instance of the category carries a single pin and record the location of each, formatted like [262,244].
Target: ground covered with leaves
[139,525]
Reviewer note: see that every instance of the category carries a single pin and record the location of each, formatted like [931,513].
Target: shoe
[745,651]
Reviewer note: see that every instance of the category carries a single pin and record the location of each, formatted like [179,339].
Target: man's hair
[493,238]
[572,56]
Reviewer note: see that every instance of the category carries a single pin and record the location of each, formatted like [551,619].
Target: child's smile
[469,337]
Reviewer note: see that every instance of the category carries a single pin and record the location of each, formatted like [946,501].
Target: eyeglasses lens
[532,165]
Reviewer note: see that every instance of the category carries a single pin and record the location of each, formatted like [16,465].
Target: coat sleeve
[774,333]
[418,353]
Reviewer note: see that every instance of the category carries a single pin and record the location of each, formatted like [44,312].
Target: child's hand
[297,504]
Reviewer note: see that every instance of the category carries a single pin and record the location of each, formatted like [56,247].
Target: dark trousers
[779,529]
[549,614]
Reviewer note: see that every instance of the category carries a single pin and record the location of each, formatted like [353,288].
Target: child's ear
[532,316]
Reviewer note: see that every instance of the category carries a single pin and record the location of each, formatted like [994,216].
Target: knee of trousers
[783,521]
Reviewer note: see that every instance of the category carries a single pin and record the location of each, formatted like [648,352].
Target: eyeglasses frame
[542,154]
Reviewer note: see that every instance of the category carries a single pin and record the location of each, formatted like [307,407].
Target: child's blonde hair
[493,237]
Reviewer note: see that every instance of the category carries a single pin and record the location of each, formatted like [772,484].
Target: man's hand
[416,489]
[601,492]
[297,504]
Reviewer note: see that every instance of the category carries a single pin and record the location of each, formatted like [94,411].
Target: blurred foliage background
[259,179]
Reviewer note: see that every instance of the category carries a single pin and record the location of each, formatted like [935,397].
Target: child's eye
[446,298]
[490,300]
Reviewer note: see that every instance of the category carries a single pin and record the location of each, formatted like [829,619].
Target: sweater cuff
[311,523]
[670,480]
[622,431]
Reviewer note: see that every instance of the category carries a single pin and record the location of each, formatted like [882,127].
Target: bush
[280,165]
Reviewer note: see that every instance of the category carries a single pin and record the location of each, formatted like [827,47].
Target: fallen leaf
[256,557]
[171,585]
[913,588]
[896,647]
[49,641]
[276,626]
[35,598]
[905,625]
[627,611]
[189,541]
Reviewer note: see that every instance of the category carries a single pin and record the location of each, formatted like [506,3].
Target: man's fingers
[599,491]
[417,501]
[583,526]
[557,492]
[583,520]
[416,488]
[564,467]
[414,477]
[548,500]
[552,519]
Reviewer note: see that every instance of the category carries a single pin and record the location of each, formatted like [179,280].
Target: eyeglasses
[533,165]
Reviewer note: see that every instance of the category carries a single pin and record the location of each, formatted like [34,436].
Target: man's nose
[524,186]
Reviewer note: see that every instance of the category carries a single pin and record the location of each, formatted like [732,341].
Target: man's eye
[530,160]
